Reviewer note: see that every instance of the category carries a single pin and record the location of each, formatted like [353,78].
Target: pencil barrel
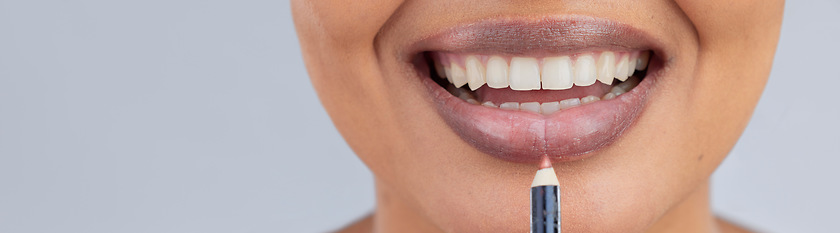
[545,209]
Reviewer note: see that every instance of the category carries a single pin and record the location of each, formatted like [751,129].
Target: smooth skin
[655,178]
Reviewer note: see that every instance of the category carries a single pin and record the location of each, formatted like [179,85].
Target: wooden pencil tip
[545,175]
[545,163]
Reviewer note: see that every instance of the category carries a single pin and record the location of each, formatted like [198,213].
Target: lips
[520,89]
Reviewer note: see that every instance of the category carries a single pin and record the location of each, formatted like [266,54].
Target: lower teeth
[548,107]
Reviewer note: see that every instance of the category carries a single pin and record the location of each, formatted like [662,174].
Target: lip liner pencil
[545,200]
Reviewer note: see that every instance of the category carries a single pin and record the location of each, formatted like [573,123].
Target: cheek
[737,45]
[337,39]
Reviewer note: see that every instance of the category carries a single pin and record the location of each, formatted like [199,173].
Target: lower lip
[525,137]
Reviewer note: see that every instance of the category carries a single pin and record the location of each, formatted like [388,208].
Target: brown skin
[655,178]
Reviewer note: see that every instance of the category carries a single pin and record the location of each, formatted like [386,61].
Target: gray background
[197,116]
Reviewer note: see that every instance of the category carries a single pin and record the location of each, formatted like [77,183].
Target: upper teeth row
[527,73]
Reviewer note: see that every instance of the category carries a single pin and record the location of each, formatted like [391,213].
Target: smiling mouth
[521,89]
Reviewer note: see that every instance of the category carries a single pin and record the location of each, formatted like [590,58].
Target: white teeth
[569,103]
[459,75]
[524,74]
[589,99]
[509,106]
[489,104]
[439,69]
[617,91]
[585,73]
[557,73]
[606,67]
[642,61]
[550,107]
[551,73]
[447,72]
[631,65]
[497,72]
[621,68]
[530,106]
[475,72]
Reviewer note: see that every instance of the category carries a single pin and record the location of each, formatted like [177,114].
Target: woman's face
[630,147]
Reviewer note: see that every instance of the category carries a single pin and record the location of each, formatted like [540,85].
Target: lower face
[451,104]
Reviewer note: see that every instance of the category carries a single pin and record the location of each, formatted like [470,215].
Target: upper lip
[550,35]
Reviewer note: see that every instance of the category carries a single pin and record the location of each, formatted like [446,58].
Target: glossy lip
[519,136]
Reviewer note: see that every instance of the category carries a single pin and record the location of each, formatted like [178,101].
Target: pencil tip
[545,163]
[545,175]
